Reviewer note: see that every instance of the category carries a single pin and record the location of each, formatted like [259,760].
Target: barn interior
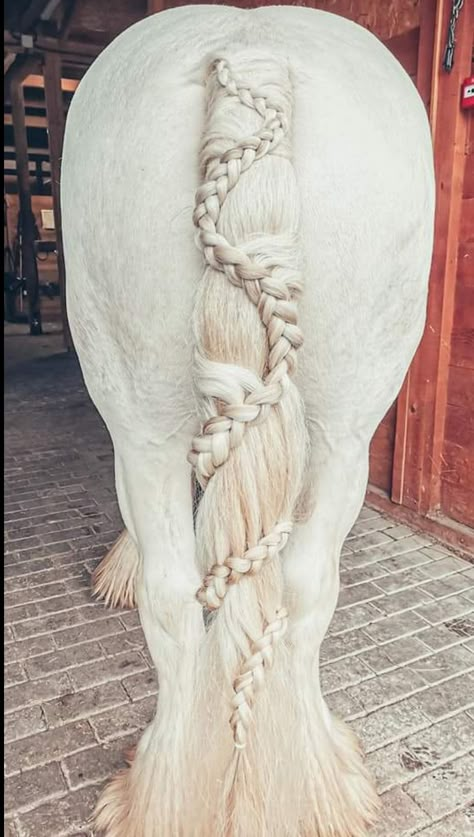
[71,664]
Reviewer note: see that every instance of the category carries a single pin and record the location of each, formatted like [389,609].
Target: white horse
[301,150]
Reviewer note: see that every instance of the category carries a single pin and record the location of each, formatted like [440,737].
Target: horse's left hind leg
[152,798]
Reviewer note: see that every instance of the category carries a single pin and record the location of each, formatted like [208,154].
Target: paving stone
[436,551]
[358,616]
[373,524]
[9,828]
[343,673]
[98,763]
[131,620]
[400,762]
[13,673]
[387,688]
[132,717]
[90,630]
[396,626]
[367,542]
[445,566]
[439,637]
[84,704]
[64,659]
[448,697]
[456,825]
[399,531]
[93,674]
[371,572]
[463,627]
[31,788]
[27,694]
[61,817]
[404,600]
[443,587]
[450,608]
[446,789]
[132,640]
[343,645]
[444,664]
[469,594]
[48,746]
[28,648]
[403,580]
[343,705]
[359,593]
[400,815]
[385,548]
[142,685]
[388,723]
[395,653]
[24,722]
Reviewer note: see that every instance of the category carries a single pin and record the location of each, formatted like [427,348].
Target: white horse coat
[343,195]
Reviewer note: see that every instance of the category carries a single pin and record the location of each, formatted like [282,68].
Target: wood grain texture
[427,397]
[387,19]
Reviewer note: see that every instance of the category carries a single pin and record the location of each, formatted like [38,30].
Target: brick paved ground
[398,662]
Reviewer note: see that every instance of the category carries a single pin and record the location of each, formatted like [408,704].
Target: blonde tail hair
[250,455]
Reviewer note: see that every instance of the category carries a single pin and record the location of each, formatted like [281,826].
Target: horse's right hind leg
[341,799]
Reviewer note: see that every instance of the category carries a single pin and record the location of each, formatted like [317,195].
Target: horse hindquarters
[298,774]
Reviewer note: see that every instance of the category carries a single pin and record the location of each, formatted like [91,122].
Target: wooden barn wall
[386,19]
[457,476]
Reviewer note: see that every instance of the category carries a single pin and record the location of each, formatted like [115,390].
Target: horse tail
[251,452]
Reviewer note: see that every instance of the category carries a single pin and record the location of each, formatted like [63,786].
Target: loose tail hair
[250,455]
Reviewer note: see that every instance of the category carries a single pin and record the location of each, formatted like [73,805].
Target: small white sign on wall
[47,219]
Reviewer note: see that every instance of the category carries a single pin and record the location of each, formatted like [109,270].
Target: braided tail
[251,452]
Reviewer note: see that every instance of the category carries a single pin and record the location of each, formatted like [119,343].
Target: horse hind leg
[156,796]
[114,580]
[339,798]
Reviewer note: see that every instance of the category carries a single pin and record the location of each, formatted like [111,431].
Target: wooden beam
[29,266]
[422,405]
[56,123]
[69,7]
[21,67]
[32,151]
[8,60]
[424,74]
[68,85]
[10,165]
[66,48]
[32,15]
[154,6]
[30,121]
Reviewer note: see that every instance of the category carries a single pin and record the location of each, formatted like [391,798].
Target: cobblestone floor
[398,662]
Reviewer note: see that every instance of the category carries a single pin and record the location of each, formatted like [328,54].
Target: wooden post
[424,73]
[29,266]
[422,404]
[56,122]
[154,6]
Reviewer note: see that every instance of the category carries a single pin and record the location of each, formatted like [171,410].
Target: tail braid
[272,284]
[251,677]
[221,576]
[272,293]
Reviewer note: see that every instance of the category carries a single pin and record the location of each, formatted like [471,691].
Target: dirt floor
[398,662]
